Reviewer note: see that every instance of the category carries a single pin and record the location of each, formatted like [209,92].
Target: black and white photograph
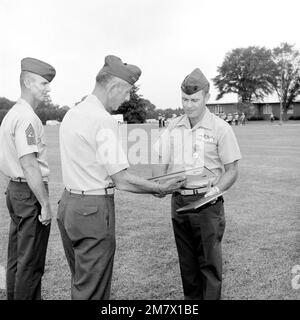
[150,151]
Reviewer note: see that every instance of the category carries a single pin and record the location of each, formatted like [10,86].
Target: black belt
[23,180]
[190,192]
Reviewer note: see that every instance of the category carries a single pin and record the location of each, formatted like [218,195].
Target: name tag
[206,138]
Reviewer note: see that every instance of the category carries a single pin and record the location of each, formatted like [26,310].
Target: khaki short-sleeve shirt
[211,143]
[90,145]
[21,133]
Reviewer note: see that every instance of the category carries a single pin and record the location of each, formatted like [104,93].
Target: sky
[167,39]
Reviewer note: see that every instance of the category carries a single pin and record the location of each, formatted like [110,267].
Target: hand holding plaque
[199,177]
[171,185]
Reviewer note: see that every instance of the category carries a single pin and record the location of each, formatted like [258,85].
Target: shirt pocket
[210,148]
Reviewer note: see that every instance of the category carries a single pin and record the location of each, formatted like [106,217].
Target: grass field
[261,242]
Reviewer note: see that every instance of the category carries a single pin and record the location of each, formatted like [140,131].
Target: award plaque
[199,177]
[199,203]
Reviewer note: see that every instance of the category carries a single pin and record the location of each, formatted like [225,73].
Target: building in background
[258,109]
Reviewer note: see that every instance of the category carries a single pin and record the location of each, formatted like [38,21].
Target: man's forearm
[136,184]
[228,178]
[34,179]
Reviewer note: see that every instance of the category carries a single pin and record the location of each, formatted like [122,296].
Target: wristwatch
[216,189]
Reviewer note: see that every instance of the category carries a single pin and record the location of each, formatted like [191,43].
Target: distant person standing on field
[272,118]
[243,119]
[229,118]
[236,119]
[159,122]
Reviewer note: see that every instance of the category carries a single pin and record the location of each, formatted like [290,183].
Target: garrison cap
[128,72]
[194,82]
[39,67]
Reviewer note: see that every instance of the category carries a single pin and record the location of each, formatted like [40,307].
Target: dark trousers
[198,238]
[27,244]
[87,228]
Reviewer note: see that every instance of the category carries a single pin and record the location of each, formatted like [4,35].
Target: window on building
[291,109]
[218,109]
[267,109]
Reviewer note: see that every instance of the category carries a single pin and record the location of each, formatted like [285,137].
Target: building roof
[256,102]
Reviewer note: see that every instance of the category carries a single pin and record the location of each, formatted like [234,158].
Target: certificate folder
[199,203]
[195,178]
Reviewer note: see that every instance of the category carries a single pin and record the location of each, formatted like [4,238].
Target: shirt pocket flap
[86,211]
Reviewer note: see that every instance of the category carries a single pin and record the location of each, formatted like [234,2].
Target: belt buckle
[186,192]
[18,179]
[109,187]
[183,192]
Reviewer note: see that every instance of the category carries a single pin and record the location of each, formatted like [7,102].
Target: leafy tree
[150,109]
[61,112]
[46,110]
[3,112]
[286,81]
[244,107]
[133,110]
[6,104]
[247,72]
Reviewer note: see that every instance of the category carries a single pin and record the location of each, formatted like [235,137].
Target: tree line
[136,110]
[252,73]
[45,111]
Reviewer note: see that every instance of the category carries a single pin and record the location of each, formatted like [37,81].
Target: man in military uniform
[212,142]
[23,160]
[93,161]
